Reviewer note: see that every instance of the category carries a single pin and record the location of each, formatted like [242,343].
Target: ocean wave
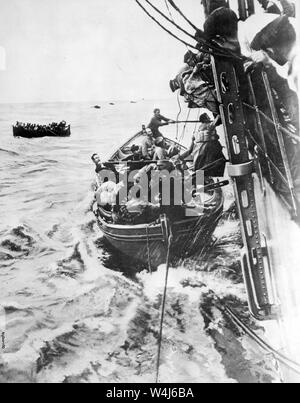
[10,152]
[75,311]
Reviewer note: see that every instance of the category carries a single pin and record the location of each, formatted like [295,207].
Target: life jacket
[206,132]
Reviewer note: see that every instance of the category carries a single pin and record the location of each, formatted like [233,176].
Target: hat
[174,85]
[212,5]
[279,32]
[189,56]
[204,118]
[159,140]
[134,148]
[222,22]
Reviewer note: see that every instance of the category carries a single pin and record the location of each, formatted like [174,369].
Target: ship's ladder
[231,84]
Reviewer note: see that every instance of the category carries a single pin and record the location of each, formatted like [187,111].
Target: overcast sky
[86,50]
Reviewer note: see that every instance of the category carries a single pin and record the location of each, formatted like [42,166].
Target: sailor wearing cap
[158,121]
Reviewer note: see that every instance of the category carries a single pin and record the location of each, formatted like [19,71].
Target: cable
[179,113]
[219,304]
[184,127]
[168,19]
[163,307]
[197,30]
[262,114]
[293,365]
[209,52]
[197,122]
[165,29]
[169,11]
[181,13]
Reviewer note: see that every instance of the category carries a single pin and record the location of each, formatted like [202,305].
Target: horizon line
[93,102]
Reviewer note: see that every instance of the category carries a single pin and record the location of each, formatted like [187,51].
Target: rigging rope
[169,11]
[293,365]
[269,120]
[178,115]
[181,13]
[197,122]
[171,15]
[274,166]
[148,250]
[164,28]
[184,127]
[204,42]
[205,51]
[170,238]
[170,20]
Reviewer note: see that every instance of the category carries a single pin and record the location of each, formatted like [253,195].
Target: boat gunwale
[154,225]
[139,134]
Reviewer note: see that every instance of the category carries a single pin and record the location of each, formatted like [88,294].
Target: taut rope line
[170,239]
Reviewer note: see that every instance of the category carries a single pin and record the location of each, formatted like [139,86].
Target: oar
[185,121]
[146,162]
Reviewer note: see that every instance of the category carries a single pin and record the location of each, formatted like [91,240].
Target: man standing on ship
[156,122]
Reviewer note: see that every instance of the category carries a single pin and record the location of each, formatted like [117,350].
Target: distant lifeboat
[40,131]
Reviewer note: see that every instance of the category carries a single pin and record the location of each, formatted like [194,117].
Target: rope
[170,20]
[197,122]
[291,364]
[209,52]
[179,113]
[230,54]
[169,11]
[163,308]
[196,232]
[182,15]
[208,233]
[274,166]
[164,28]
[294,366]
[148,250]
[269,120]
[170,14]
[184,127]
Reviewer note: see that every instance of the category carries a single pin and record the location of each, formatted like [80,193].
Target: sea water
[70,309]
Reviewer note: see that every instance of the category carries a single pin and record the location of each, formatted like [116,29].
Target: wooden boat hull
[146,244]
[30,134]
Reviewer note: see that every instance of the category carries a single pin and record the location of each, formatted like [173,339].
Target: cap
[222,22]
[159,140]
[279,32]
[204,118]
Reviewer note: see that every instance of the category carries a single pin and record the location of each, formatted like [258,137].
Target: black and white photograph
[149,194]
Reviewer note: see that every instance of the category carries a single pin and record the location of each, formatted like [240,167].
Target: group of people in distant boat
[54,127]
